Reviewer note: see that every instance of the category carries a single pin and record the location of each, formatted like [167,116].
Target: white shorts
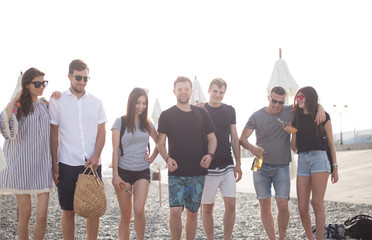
[219,178]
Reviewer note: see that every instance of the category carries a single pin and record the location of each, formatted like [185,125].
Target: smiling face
[183,92]
[36,92]
[216,95]
[78,86]
[301,100]
[141,105]
[276,103]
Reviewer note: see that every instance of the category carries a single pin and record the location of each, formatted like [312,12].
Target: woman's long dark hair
[26,99]
[145,124]
[311,103]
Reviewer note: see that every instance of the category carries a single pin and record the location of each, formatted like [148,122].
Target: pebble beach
[247,226]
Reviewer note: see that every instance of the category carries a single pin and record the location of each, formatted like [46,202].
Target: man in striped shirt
[222,174]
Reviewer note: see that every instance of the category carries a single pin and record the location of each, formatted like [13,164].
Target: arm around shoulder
[54,144]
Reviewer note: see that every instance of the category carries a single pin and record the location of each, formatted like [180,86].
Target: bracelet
[335,165]
[166,160]
[211,154]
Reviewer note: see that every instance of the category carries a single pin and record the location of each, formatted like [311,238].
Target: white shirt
[78,121]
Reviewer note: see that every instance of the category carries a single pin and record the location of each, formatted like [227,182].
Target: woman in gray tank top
[131,161]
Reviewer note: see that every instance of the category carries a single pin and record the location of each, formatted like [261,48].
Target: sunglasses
[276,101]
[187,90]
[78,77]
[38,84]
[300,97]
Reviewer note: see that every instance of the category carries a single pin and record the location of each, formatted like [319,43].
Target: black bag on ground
[332,231]
[359,226]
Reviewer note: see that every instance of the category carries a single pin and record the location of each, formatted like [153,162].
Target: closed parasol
[282,77]
[197,95]
[2,158]
[159,162]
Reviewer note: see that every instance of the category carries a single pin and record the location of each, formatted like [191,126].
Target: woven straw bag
[90,197]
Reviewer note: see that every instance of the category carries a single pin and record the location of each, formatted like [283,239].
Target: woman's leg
[319,185]
[41,215]
[125,204]
[303,197]
[140,192]
[24,210]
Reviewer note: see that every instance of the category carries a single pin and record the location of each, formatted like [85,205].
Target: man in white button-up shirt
[77,135]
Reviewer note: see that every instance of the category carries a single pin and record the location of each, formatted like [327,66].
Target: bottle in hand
[285,124]
[257,162]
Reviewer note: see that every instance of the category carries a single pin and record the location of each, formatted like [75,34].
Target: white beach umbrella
[197,95]
[282,77]
[2,158]
[159,162]
[156,111]
[18,86]
[16,89]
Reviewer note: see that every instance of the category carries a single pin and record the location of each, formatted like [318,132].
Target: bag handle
[95,174]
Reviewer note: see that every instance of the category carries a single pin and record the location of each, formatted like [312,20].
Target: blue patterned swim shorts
[186,192]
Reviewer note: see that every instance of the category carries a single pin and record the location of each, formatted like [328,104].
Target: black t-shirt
[187,142]
[307,138]
[222,117]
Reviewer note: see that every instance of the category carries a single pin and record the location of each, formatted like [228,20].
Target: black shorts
[68,176]
[133,176]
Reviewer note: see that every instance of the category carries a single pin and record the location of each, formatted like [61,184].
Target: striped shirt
[27,152]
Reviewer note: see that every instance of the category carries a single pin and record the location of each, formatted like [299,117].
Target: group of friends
[57,140]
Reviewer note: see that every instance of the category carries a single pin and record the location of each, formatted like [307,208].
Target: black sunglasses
[276,101]
[78,77]
[38,84]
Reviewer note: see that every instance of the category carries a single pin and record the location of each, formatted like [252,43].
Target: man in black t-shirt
[222,174]
[191,147]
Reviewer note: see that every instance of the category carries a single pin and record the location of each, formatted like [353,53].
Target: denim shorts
[132,176]
[312,162]
[68,176]
[186,192]
[277,175]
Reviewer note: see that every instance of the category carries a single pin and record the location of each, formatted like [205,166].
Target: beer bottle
[257,162]
[284,124]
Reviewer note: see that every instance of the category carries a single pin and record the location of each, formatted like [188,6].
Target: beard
[183,100]
[77,90]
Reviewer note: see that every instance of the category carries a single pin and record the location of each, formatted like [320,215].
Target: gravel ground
[248,224]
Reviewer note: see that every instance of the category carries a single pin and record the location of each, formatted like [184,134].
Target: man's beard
[182,101]
[77,90]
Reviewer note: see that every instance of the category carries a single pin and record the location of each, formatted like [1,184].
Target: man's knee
[265,203]
[68,214]
[207,209]
[282,205]
[191,215]
[175,212]
[230,204]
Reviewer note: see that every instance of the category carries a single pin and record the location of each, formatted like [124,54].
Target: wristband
[212,155]
[335,165]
